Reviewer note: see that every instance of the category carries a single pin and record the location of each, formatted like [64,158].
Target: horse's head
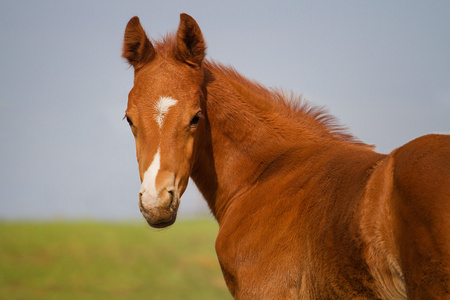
[164,113]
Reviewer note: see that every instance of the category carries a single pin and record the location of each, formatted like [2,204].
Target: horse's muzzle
[160,211]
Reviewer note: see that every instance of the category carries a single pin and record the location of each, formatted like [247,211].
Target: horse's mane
[291,105]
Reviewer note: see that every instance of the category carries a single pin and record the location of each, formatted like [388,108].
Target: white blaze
[162,108]
[148,186]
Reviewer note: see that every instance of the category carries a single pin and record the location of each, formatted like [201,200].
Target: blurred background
[70,226]
[381,67]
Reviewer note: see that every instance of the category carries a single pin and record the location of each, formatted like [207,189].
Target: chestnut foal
[305,210]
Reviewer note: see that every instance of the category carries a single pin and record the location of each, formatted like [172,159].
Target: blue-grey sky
[381,67]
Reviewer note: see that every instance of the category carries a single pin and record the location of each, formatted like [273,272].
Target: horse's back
[422,167]
[421,206]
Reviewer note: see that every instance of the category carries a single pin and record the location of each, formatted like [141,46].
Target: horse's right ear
[190,44]
[137,48]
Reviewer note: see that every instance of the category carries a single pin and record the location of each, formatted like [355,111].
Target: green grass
[90,260]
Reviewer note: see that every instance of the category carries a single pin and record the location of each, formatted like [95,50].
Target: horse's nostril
[141,205]
[172,196]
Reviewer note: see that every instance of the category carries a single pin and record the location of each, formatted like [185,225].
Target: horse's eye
[129,121]
[195,120]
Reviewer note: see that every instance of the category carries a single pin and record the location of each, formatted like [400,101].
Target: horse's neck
[243,133]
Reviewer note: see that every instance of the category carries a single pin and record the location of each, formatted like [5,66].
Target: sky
[381,67]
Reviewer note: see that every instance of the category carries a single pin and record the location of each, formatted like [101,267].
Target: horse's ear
[191,47]
[137,48]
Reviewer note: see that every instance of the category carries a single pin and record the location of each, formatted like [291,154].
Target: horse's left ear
[191,47]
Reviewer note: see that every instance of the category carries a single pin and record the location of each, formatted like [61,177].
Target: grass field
[90,260]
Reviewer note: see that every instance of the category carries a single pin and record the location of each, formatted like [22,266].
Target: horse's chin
[161,224]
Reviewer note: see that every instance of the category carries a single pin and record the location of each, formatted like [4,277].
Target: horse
[305,210]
